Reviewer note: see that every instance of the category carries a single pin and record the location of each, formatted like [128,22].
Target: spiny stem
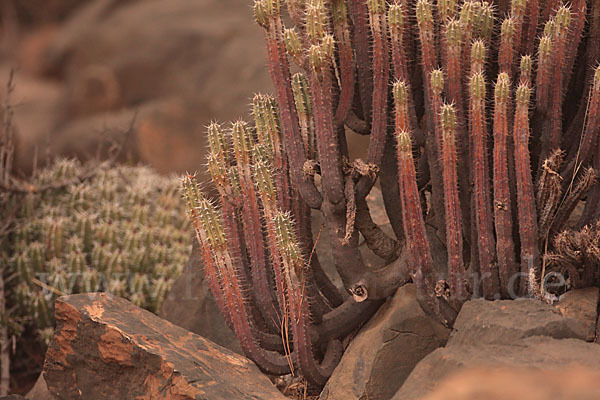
[525,70]
[507,46]
[242,146]
[505,247]
[380,67]
[419,252]
[532,13]
[454,237]
[554,136]
[341,29]
[267,130]
[301,92]
[517,13]
[481,201]
[320,57]
[362,46]
[429,63]
[528,229]
[211,237]
[294,271]
[267,15]
[396,21]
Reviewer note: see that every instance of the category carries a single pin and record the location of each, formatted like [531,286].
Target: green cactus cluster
[123,230]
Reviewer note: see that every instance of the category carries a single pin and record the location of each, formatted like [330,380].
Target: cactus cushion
[120,229]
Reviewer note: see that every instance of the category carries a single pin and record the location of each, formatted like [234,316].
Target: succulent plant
[483,124]
[123,230]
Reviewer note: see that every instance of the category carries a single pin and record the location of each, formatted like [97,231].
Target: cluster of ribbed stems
[483,123]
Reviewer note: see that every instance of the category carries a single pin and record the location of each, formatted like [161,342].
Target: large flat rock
[508,321]
[567,383]
[535,352]
[385,351]
[582,305]
[106,348]
[510,335]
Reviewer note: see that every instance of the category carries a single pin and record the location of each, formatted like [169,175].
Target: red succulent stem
[481,187]
[505,247]
[328,147]
[380,67]
[507,46]
[396,26]
[315,373]
[454,237]
[341,30]
[579,11]
[548,8]
[419,252]
[294,271]
[528,230]
[517,12]
[292,137]
[454,89]
[552,139]
[224,275]
[252,223]
[532,14]
[543,79]
[429,63]
[362,47]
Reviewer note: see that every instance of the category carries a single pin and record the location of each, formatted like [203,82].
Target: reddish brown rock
[534,353]
[39,390]
[106,348]
[582,305]
[504,384]
[33,47]
[516,335]
[386,349]
[508,321]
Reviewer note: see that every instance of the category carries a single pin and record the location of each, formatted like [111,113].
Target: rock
[598,331]
[38,108]
[567,383]
[33,47]
[513,334]
[508,321]
[106,348]
[39,390]
[164,134]
[215,52]
[190,305]
[582,305]
[40,11]
[106,60]
[535,352]
[12,397]
[173,138]
[386,349]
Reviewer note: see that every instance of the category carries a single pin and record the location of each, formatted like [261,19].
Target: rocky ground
[503,350]
[153,73]
[104,347]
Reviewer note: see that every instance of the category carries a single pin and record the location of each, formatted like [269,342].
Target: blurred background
[152,73]
[90,74]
